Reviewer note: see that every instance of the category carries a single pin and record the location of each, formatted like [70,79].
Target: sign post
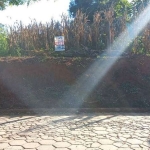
[59,43]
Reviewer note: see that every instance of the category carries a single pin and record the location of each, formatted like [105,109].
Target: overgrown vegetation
[83,37]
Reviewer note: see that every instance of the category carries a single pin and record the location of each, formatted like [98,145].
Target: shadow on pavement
[72,118]
[7,122]
[98,121]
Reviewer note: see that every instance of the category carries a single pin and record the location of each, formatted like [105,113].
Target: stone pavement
[75,132]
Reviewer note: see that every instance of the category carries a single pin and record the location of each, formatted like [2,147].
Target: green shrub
[3,42]
[15,51]
[138,46]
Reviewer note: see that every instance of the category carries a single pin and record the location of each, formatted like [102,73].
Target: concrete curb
[74,110]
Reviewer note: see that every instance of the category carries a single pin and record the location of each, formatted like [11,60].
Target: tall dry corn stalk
[81,35]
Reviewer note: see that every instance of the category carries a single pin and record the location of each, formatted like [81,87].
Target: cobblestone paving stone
[75,132]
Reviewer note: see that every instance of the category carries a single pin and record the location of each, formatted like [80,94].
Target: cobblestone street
[75,132]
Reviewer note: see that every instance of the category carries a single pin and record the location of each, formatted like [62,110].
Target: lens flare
[85,84]
[83,87]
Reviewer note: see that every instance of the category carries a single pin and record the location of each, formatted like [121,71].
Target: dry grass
[81,35]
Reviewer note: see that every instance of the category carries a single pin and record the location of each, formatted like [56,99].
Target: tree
[4,3]
[139,5]
[123,7]
[89,7]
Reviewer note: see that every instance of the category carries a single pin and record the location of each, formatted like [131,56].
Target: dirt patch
[38,83]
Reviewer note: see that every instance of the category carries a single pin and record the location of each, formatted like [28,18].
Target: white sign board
[59,43]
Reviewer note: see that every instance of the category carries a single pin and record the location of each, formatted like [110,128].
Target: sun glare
[42,11]
[89,80]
